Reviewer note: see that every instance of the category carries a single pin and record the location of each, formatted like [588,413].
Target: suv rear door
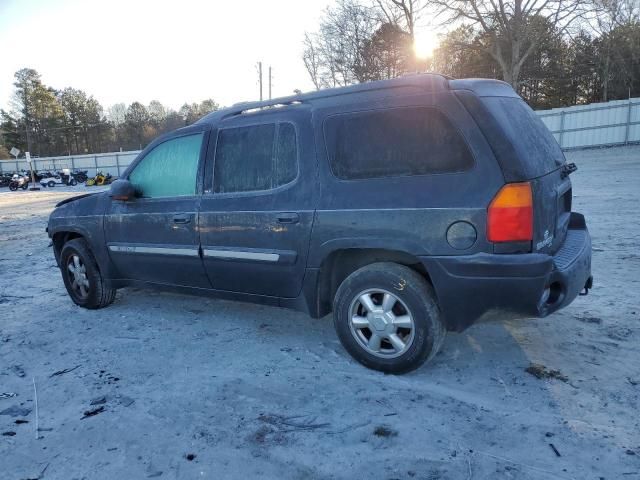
[537,159]
[258,208]
[153,238]
[526,151]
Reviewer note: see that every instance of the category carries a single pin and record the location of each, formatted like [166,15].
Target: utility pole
[269,82]
[260,78]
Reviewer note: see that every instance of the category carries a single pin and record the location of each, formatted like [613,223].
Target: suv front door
[257,210]
[154,237]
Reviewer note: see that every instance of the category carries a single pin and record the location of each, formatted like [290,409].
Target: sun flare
[424,44]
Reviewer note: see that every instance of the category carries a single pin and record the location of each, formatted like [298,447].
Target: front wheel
[13,187]
[82,278]
[51,184]
[387,318]
[73,182]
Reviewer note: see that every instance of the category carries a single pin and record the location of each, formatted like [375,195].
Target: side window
[255,158]
[393,143]
[170,169]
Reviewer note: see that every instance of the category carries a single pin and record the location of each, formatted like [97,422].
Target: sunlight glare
[424,44]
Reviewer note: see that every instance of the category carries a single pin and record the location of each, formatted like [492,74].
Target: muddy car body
[408,207]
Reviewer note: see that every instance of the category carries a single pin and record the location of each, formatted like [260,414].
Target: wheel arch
[61,237]
[340,263]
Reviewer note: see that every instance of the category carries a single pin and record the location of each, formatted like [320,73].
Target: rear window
[537,150]
[395,142]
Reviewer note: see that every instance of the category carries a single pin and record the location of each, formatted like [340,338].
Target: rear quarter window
[537,151]
[393,143]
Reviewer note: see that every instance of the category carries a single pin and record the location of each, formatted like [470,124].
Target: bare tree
[403,13]
[311,59]
[617,12]
[513,28]
[334,56]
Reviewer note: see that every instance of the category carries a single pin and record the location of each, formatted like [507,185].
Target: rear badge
[548,240]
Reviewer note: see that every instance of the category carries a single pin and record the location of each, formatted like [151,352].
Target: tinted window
[537,151]
[395,142]
[258,157]
[170,169]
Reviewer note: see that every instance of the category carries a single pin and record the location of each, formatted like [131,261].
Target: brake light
[510,214]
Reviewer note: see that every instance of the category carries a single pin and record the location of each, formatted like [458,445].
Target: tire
[413,315]
[25,186]
[95,293]
[13,187]
[51,184]
[73,182]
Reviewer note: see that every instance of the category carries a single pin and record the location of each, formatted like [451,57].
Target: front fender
[84,218]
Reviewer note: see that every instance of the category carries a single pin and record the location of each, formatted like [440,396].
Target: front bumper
[485,286]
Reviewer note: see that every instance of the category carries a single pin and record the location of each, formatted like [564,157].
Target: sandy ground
[194,387]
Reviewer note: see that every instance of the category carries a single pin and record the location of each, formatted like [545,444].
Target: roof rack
[253,107]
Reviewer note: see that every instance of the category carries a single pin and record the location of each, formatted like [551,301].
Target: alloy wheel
[78,276]
[381,323]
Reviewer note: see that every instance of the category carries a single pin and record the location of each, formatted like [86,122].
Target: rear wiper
[568,169]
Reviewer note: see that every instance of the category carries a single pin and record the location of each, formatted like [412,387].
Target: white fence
[114,163]
[597,124]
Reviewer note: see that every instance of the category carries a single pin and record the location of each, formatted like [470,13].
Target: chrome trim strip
[189,252]
[240,254]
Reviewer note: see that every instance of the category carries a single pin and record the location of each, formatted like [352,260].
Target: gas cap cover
[461,235]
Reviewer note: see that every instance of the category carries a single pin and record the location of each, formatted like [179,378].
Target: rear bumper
[498,286]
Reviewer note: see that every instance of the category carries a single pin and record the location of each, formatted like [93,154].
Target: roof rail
[250,107]
[425,80]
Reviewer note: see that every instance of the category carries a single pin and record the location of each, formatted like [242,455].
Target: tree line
[49,122]
[553,52]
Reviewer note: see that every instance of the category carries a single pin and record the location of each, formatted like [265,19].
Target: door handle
[181,218]
[288,217]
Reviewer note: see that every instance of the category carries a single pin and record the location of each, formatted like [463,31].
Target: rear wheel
[73,182]
[387,318]
[82,278]
[51,184]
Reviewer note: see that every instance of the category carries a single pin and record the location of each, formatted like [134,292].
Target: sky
[171,51]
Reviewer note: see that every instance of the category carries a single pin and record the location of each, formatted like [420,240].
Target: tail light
[510,214]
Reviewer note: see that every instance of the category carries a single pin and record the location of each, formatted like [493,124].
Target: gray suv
[406,207]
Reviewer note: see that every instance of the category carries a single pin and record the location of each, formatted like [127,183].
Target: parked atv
[100,179]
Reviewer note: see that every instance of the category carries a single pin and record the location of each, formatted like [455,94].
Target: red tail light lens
[510,214]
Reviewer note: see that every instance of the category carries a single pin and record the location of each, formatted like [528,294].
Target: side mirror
[122,190]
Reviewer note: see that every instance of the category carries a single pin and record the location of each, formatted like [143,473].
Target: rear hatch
[526,151]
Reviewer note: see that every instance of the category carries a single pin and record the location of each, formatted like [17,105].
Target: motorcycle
[19,181]
[81,175]
[5,180]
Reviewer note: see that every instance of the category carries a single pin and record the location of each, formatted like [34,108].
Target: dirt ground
[186,387]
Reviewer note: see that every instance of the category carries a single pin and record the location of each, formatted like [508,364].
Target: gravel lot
[195,387]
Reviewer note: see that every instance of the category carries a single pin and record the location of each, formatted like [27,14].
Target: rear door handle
[182,218]
[288,217]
